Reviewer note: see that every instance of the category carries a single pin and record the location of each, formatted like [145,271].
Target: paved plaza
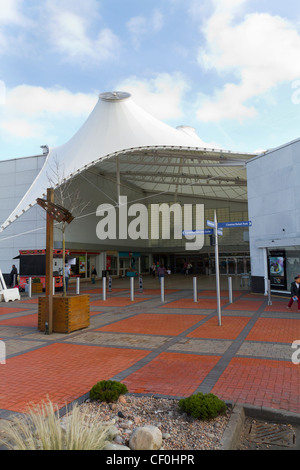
[171,349]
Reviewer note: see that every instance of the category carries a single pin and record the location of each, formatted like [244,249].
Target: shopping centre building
[273,188]
[136,186]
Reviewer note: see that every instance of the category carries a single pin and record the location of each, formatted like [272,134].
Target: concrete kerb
[237,418]
[233,429]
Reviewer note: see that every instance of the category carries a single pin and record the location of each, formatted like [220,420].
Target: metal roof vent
[114,96]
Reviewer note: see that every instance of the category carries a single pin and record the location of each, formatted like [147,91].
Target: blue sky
[229,68]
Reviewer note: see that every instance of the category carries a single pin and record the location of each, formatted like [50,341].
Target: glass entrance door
[124,266]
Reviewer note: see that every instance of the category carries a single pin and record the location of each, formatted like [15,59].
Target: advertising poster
[277,269]
[81,264]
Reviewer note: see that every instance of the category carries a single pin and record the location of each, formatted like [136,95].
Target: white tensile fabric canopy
[150,155]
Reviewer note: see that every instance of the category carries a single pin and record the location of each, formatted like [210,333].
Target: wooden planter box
[36,288]
[70,313]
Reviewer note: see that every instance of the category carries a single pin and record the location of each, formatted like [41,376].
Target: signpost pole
[217,270]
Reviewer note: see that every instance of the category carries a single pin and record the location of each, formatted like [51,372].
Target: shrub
[107,390]
[202,406]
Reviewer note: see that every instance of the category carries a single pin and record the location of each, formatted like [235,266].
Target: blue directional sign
[198,232]
[245,223]
[207,231]
[210,223]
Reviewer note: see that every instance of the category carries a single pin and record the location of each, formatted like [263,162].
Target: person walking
[13,276]
[295,293]
[153,269]
[161,271]
[93,274]
[67,274]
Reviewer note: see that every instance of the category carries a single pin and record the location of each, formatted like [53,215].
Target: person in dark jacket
[93,274]
[295,293]
[13,276]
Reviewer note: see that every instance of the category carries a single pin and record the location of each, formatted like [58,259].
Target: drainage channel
[261,435]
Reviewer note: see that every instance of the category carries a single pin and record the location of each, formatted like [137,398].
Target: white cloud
[71,32]
[31,111]
[34,101]
[157,20]
[141,26]
[10,12]
[12,24]
[261,51]
[161,96]
[21,128]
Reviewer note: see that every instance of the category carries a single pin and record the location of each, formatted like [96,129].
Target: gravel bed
[180,431]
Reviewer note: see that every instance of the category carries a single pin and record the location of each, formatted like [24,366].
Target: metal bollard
[195,289]
[230,290]
[141,284]
[77,285]
[104,288]
[132,289]
[109,284]
[269,293]
[162,289]
[29,287]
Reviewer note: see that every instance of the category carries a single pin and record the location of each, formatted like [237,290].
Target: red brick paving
[245,305]
[212,293]
[63,372]
[156,291]
[275,330]
[115,302]
[189,303]
[99,291]
[261,382]
[279,306]
[26,320]
[7,310]
[154,324]
[230,328]
[171,374]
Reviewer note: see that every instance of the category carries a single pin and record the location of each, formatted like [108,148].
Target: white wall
[16,177]
[273,202]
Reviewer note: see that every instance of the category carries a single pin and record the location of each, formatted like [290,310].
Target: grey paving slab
[282,352]
[14,346]
[201,346]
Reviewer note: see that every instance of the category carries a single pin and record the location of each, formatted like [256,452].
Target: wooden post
[49,264]
[60,214]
